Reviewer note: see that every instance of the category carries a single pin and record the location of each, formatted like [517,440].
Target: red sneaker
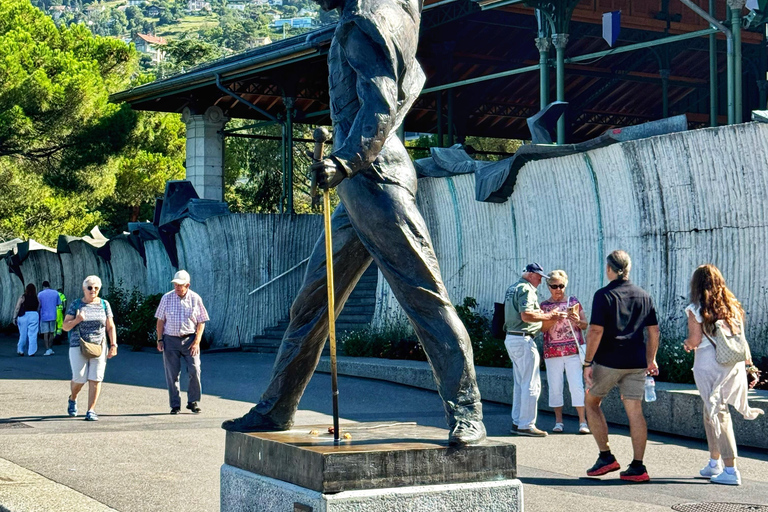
[602,467]
[632,474]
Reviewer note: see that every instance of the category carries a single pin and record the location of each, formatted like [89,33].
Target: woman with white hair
[89,320]
[562,338]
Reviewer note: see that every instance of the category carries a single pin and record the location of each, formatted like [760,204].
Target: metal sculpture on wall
[374,79]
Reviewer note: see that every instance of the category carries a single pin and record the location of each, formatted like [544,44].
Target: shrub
[398,341]
[395,341]
[488,351]
[675,364]
[134,315]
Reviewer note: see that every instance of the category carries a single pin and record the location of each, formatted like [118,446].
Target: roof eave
[310,46]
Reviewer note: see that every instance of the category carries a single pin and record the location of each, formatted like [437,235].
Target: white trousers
[524,354]
[571,367]
[29,324]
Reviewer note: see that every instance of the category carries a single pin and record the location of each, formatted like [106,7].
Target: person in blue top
[90,319]
[49,302]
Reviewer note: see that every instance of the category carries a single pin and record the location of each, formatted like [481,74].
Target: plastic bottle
[650,389]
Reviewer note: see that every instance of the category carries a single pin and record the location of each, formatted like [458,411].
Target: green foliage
[253,173]
[189,52]
[675,364]
[488,351]
[63,147]
[398,341]
[134,315]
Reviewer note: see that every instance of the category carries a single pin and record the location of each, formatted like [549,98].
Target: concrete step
[357,310]
[353,319]
[369,302]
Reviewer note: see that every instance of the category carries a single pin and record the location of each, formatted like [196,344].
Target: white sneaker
[558,428]
[584,428]
[48,352]
[708,471]
[727,479]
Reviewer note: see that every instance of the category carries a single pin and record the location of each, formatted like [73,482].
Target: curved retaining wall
[673,202]
[227,257]
[238,253]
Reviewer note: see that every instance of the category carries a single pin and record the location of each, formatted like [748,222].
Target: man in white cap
[523,318]
[181,318]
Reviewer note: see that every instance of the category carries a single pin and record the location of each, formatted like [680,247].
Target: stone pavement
[140,458]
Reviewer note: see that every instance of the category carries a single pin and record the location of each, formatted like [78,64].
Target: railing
[299,264]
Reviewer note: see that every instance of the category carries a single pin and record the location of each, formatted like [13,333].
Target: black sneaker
[175,410]
[635,474]
[603,466]
[192,406]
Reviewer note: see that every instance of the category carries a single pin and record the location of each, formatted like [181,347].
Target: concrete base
[243,491]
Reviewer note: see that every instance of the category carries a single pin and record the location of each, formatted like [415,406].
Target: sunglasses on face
[93,288]
[557,286]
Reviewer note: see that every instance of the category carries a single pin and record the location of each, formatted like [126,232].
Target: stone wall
[227,257]
[673,202]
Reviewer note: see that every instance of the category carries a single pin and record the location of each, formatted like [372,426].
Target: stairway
[357,314]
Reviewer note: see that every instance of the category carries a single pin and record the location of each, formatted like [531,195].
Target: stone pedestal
[398,467]
[205,151]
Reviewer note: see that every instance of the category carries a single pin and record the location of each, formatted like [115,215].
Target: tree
[63,146]
[253,173]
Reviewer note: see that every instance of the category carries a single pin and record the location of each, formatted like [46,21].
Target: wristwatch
[587,364]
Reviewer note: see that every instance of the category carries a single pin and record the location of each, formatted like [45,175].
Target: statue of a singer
[374,79]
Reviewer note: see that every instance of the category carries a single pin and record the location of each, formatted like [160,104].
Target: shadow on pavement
[584,481]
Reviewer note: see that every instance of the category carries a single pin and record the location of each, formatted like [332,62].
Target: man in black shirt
[617,355]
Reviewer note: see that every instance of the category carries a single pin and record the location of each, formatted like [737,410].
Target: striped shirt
[181,315]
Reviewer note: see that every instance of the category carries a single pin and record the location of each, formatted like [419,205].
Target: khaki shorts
[631,381]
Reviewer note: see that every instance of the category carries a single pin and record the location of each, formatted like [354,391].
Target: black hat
[535,268]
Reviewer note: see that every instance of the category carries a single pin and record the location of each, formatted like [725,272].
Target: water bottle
[650,389]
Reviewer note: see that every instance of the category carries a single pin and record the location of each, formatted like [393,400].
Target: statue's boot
[254,421]
[467,432]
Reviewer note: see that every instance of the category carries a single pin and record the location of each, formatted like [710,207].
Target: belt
[517,333]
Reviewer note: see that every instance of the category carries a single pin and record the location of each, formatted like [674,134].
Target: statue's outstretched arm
[377,90]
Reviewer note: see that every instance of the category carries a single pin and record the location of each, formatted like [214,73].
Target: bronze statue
[374,79]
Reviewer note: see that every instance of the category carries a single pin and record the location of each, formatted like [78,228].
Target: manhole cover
[719,507]
[13,424]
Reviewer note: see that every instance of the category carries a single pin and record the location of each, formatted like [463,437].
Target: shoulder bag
[730,348]
[92,350]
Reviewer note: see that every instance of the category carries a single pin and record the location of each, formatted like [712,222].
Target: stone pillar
[205,151]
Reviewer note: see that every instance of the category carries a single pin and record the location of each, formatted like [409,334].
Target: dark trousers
[378,221]
[174,350]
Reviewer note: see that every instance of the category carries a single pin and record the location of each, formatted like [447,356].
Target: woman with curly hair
[713,306]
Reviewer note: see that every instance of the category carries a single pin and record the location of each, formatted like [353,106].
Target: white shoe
[727,479]
[708,471]
[584,428]
[558,428]
[48,352]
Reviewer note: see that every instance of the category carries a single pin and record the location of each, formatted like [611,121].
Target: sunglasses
[93,288]
[557,286]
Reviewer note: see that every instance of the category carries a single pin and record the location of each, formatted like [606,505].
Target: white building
[198,5]
[150,45]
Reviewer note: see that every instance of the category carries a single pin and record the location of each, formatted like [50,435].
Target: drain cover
[13,424]
[719,507]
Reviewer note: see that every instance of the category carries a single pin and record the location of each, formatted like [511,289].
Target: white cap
[181,277]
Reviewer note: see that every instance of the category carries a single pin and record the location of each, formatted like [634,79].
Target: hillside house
[151,45]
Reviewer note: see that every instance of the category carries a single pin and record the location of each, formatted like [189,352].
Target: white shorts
[84,369]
